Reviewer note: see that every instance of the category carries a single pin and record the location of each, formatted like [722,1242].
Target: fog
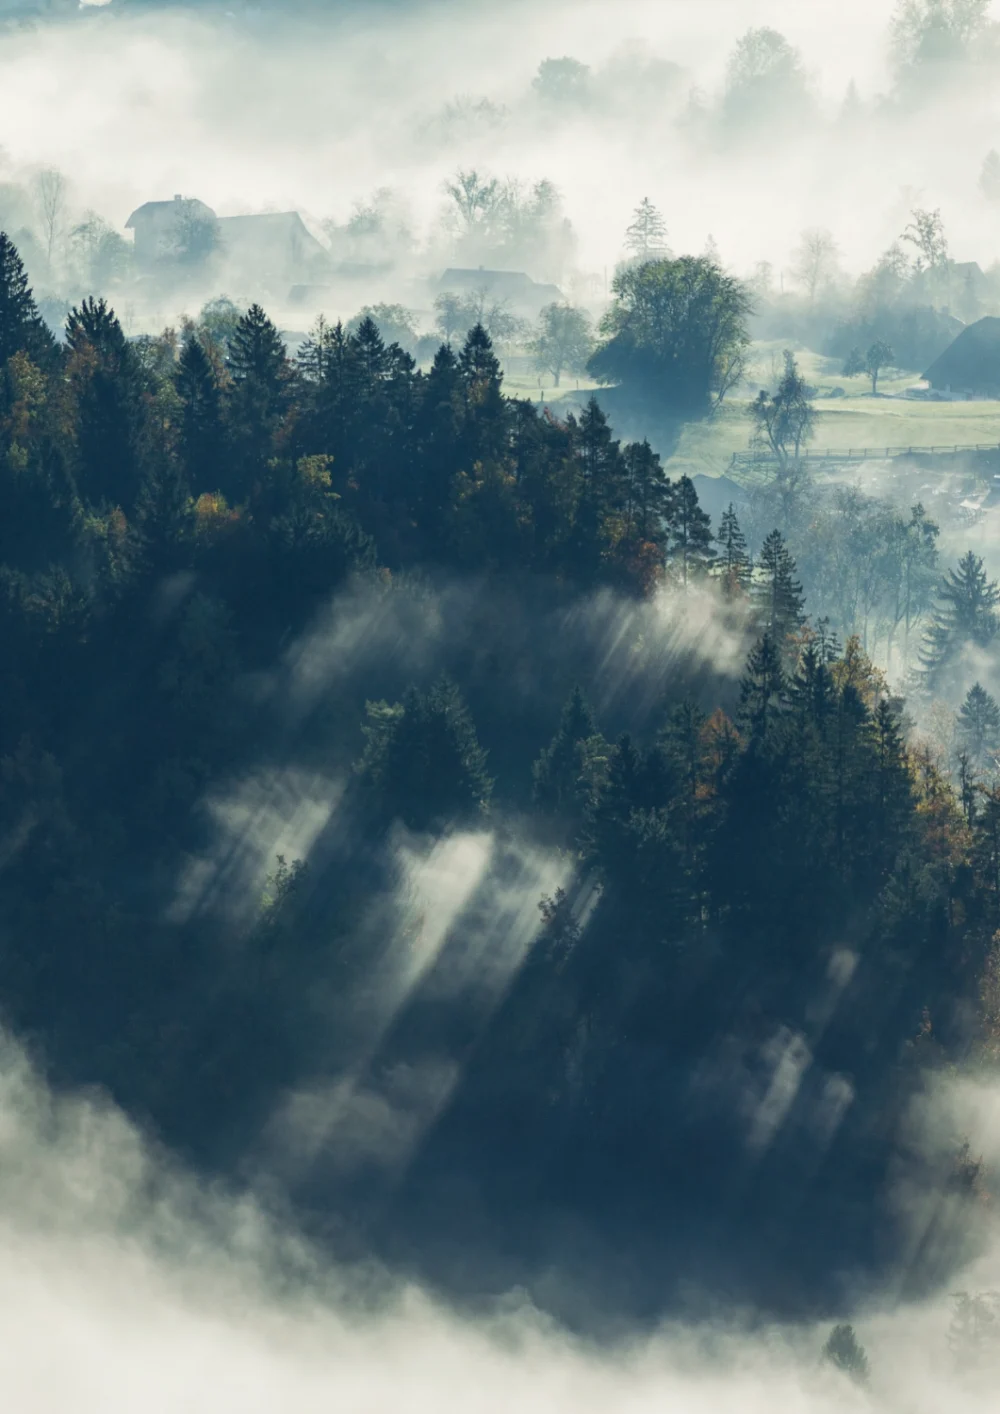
[317,111]
[126,1275]
[124,1281]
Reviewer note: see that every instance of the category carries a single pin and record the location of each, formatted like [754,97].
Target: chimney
[178,197]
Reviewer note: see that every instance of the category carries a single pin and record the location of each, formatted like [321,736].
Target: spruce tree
[478,363]
[844,1351]
[22,329]
[202,434]
[689,546]
[733,560]
[423,762]
[966,614]
[564,772]
[260,375]
[647,493]
[978,728]
[763,688]
[777,594]
[108,385]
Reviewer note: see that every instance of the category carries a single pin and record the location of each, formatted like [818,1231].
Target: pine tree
[979,725]
[966,614]
[423,762]
[107,384]
[689,547]
[844,1351]
[646,236]
[733,560]
[564,774]
[647,493]
[777,595]
[370,352]
[202,434]
[763,688]
[260,374]
[477,362]
[22,329]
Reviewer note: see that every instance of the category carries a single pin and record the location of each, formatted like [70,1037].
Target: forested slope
[631,923]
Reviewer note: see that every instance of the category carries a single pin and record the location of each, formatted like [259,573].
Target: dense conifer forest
[764,913]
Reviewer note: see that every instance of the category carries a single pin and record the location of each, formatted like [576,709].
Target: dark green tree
[965,615]
[776,593]
[978,728]
[689,547]
[422,762]
[844,1351]
[22,329]
[733,561]
[677,331]
[567,773]
[763,689]
[203,442]
[107,385]
[260,374]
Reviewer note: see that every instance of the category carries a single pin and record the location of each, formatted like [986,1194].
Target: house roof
[154,210]
[269,226]
[972,361]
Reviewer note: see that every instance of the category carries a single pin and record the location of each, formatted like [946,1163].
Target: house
[166,230]
[512,287]
[275,246]
[970,367]
[274,249]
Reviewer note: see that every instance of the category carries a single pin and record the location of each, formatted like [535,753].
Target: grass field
[855,420]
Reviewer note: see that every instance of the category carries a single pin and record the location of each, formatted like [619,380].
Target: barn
[970,366]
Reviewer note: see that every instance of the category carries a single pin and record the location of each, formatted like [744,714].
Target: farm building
[970,367]
[512,287]
[274,247]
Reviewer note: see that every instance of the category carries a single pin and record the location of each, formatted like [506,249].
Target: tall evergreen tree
[565,773]
[966,614]
[203,445]
[763,687]
[689,547]
[260,373]
[22,329]
[733,559]
[777,594]
[107,384]
[423,763]
[978,728]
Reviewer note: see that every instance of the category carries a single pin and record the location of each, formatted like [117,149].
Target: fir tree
[966,614]
[107,385]
[22,329]
[845,1353]
[477,362]
[423,761]
[733,560]
[777,594]
[646,236]
[259,370]
[978,728]
[689,547]
[202,434]
[763,688]
[564,774]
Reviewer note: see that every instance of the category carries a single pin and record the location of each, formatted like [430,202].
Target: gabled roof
[154,210]
[270,226]
[972,361]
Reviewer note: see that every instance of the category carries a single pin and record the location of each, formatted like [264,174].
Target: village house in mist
[274,247]
[970,367]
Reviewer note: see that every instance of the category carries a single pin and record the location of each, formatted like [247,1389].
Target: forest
[637,908]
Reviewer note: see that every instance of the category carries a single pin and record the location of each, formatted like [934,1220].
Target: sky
[263,110]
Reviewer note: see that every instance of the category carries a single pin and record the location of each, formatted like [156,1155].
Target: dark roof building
[272,248]
[970,366]
[512,286]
